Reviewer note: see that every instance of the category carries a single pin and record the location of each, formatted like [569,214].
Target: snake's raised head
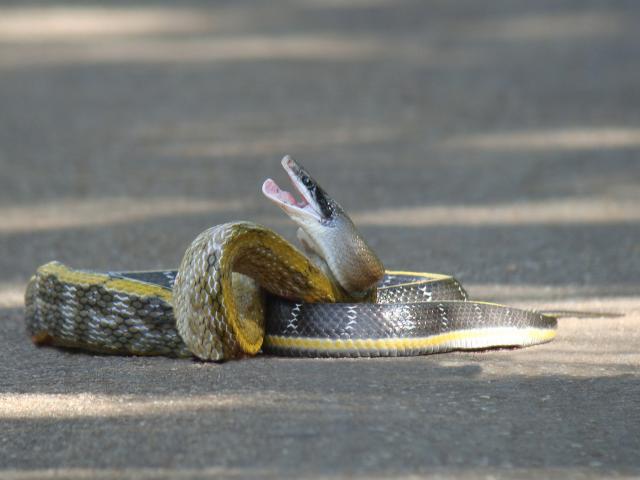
[326,230]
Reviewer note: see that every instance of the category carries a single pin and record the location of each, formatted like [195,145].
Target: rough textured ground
[498,141]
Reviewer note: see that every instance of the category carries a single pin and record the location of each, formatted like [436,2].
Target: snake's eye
[307,182]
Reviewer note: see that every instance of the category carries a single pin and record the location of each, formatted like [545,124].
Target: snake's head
[327,230]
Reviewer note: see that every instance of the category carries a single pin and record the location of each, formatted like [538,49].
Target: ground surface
[496,141]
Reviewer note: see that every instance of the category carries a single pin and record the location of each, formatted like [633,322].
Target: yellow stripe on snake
[242,288]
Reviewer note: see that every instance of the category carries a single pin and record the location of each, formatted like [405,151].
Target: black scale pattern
[407,307]
[420,309]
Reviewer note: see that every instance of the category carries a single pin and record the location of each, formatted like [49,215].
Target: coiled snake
[241,288]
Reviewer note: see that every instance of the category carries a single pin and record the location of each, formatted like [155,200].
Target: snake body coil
[241,288]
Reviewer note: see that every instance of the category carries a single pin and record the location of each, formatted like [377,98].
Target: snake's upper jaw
[315,206]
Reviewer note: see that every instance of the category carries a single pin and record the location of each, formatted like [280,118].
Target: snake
[242,289]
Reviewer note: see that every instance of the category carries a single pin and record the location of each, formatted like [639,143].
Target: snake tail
[397,329]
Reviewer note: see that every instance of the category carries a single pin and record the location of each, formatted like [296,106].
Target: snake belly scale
[242,288]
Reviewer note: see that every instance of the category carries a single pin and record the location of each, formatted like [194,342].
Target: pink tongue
[272,189]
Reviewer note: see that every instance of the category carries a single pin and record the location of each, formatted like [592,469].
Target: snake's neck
[344,256]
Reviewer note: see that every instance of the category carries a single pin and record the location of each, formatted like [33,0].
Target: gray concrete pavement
[498,141]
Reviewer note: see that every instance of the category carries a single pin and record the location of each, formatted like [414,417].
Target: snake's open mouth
[307,206]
